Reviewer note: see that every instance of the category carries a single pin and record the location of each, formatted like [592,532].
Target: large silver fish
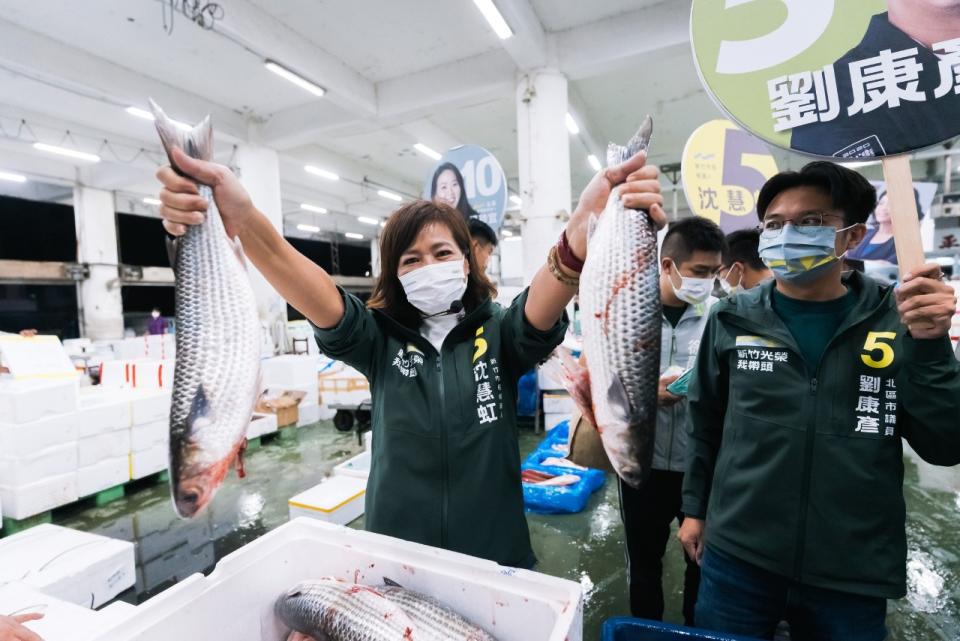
[216,380]
[621,316]
[333,610]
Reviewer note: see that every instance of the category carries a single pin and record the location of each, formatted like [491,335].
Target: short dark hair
[482,232]
[850,192]
[742,247]
[690,235]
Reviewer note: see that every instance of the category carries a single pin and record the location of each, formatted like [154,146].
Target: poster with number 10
[469,178]
[834,78]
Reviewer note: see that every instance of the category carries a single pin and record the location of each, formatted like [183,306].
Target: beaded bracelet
[553,262]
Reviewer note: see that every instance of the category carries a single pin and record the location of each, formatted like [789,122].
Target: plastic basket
[629,629]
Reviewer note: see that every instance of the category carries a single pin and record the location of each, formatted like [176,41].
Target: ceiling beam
[529,45]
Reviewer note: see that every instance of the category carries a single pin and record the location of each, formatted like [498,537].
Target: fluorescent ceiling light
[368,221]
[511,239]
[323,173]
[146,115]
[427,151]
[594,163]
[507,233]
[314,208]
[516,200]
[14,178]
[313,229]
[151,201]
[494,19]
[572,124]
[389,195]
[64,151]
[298,80]
[354,236]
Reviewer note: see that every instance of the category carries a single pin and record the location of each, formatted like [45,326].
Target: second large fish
[216,380]
[621,318]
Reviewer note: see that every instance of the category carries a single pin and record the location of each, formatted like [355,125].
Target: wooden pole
[903,212]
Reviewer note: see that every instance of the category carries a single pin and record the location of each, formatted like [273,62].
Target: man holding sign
[798,402]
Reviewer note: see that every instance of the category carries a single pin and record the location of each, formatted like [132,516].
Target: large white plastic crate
[236,600]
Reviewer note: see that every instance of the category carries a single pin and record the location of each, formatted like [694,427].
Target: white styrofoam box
[289,371]
[140,373]
[552,419]
[103,475]
[62,620]
[357,467]
[145,436]
[39,465]
[177,564]
[94,449]
[103,409]
[79,567]
[23,439]
[23,501]
[147,406]
[23,401]
[511,604]
[548,378]
[558,404]
[309,413]
[156,347]
[337,499]
[147,462]
[261,424]
[368,440]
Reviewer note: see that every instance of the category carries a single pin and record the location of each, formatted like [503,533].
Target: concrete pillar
[100,301]
[258,168]
[544,163]
[375,256]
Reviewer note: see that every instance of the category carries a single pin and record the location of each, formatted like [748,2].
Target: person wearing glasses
[800,397]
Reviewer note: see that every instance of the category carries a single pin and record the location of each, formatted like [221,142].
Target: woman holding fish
[442,358]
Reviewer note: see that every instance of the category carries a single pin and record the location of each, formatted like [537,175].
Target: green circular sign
[834,78]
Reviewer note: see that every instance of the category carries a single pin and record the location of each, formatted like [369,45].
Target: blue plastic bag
[527,394]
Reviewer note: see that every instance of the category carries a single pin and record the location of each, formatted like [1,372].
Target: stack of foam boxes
[103,446]
[38,445]
[149,432]
[557,407]
[295,373]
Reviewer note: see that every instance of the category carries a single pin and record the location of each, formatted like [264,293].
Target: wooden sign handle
[902,206]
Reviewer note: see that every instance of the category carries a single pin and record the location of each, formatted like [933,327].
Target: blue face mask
[799,256]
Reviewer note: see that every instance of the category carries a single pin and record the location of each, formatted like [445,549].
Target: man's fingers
[642,201]
[700,550]
[619,173]
[927,270]
[926,300]
[174,229]
[922,286]
[175,182]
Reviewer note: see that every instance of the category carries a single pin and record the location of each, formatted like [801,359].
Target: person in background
[447,188]
[878,242]
[157,323]
[742,267]
[442,358]
[689,261]
[800,400]
[483,240]
[12,628]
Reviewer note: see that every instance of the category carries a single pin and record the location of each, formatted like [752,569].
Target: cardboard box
[110,445]
[24,401]
[38,466]
[236,600]
[20,440]
[337,499]
[146,462]
[89,569]
[103,475]
[284,403]
[149,435]
[23,501]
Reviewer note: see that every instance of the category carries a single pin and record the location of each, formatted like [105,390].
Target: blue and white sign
[470,178]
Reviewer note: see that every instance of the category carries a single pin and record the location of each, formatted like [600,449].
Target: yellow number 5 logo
[874,344]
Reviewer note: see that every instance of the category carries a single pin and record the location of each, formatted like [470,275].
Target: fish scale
[216,379]
[621,320]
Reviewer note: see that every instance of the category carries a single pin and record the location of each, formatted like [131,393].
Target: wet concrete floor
[585,547]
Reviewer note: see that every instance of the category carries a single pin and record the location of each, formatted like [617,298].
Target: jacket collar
[470,323]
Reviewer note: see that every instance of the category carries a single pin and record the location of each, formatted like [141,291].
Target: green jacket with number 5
[800,472]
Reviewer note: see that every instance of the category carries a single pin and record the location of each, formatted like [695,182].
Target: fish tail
[576,378]
[196,143]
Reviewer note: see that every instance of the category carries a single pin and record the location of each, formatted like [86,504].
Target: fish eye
[190,497]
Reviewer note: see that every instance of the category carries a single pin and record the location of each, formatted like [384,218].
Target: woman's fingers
[174,229]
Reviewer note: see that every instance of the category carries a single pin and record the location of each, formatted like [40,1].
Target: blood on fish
[408,634]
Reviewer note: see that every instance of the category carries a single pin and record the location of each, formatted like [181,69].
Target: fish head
[195,483]
[634,475]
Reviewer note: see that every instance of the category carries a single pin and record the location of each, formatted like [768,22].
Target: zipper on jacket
[673,410]
[443,455]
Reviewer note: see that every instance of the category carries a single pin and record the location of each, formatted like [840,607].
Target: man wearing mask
[689,260]
[157,323]
[483,240]
[742,267]
[798,403]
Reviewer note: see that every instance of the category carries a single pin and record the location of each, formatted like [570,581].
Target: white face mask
[731,290]
[692,290]
[155,314]
[432,288]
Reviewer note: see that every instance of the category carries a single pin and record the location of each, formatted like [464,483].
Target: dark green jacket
[800,472]
[446,466]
